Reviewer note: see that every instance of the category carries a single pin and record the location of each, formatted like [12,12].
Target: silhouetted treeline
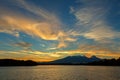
[106,62]
[12,62]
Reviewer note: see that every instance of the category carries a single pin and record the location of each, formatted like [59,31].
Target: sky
[46,30]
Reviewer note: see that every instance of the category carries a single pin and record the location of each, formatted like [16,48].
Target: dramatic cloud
[91,20]
[47,26]
[31,30]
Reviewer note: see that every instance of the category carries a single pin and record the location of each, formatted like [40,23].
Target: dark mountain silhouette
[70,60]
[76,60]
[106,62]
[12,62]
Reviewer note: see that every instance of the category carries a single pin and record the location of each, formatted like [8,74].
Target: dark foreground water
[56,72]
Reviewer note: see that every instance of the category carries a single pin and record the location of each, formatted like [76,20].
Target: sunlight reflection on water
[55,72]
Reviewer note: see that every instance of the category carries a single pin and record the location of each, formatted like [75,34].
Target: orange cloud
[43,30]
[47,26]
[29,55]
[49,56]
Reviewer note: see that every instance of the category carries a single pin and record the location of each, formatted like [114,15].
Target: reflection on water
[51,72]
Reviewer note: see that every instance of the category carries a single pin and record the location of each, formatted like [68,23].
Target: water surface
[56,72]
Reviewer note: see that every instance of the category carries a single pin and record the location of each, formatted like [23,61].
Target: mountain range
[76,60]
[70,60]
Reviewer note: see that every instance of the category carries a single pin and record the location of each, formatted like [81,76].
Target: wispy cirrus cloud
[42,27]
[30,55]
[92,24]
[91,21]
[87,50]
[24,45]
[101,51]
[46,26]
[91,27]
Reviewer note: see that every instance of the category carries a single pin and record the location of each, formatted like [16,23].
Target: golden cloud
[47,26]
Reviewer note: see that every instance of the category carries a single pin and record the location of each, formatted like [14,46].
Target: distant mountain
[76,60]
[106,62]
[70,60]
